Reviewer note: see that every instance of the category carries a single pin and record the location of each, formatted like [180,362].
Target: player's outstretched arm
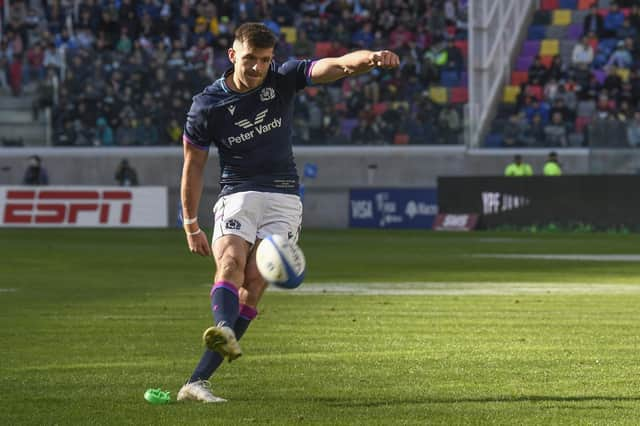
[190,193]
[328,70]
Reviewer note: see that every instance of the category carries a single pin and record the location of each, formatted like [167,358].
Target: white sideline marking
[8,290]
[580,257]
[458,288]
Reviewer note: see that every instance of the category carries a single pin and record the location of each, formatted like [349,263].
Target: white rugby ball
[281,261]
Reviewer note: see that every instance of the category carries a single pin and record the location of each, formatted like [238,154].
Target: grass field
[390,328]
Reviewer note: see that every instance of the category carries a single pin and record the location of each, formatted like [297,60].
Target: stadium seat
[312,91]
[549,47]
[523,63]
[400,139]
[511,94]
[341,106]
[463,45]
[542,17]
[574,32]
[561,17]
[600,75]
[438,94]
[536,32]
[536,91]
[557,31]
[519,77]
[585,4]
[379,108]
[347,125]
[549,4]
[546,60]
[322,49]
[582,123]
[459,95]
[568,4]
[291,34]
[493,140]
[623,73]
[531,48]
[449,78]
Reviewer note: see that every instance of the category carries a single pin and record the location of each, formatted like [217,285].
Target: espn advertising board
[392,208]
[83,206]
[603,201]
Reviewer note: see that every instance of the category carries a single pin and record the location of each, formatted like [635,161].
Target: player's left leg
[210,360]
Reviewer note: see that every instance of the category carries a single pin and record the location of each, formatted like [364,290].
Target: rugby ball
[281,261]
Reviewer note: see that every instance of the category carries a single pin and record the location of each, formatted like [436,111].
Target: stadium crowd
[122,72]
[588,96]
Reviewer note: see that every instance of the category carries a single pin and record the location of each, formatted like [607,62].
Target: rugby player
[247,115]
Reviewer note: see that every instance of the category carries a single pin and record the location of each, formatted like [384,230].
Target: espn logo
[56,207]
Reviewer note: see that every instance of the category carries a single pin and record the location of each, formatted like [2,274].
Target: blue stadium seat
[569,4]
[449,78]
[537,32]
[493,140]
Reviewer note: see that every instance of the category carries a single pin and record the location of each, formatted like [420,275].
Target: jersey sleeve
[196,128]
[298,72]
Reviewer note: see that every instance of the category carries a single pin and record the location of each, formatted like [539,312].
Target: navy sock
[224,303]
[210,361]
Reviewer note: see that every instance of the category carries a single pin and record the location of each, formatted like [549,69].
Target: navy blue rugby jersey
[251,130]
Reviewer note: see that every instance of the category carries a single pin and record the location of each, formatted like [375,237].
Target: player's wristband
[189,220]
[191,234]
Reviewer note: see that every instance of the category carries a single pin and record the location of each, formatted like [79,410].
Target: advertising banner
[392,208]
[83,206]
[599,201]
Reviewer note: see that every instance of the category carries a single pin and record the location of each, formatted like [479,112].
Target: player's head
[252,53]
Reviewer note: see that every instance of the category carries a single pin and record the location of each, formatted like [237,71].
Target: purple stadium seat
[574,32]
[600,75]
[524,62]
[347,126]
[531,48]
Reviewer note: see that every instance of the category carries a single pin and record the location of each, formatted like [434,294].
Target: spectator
[104,133]
[621,57]
[556,131]
[518,168]
[363,133]
[450,123]
[147,132]
[582,55]
[626,30]
[303,47]
[613,21]
[125,174]
[537,72]
[633,131]
[551,166]
[593,23]
[35,174]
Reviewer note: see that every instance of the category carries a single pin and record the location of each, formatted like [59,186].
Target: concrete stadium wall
[339,169]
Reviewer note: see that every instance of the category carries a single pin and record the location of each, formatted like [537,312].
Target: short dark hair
[256,35]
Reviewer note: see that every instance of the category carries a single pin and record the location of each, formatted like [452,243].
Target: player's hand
[385,59]
[199,243]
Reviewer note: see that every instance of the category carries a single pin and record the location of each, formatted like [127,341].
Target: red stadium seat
[459,95]
[340,107]
[549,4]
[463,45]
[581,123]
[519,77]
[323,48]
[585,4]
[536,91]
[401,139]
[546,60]
[380,108]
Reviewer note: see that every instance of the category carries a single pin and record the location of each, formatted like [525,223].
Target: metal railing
[495,29]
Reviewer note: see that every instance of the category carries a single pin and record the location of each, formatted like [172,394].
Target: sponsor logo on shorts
[233,224]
